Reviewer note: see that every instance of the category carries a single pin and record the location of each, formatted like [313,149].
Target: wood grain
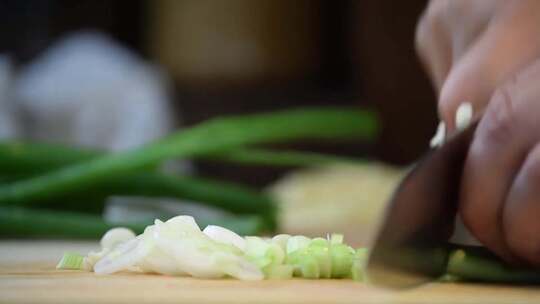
[27,275]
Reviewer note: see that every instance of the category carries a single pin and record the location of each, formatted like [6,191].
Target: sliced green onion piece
[318,242]
[276,254]
[297,242]
[263,253]
[359,265]
[281,240]
[116,236]
[342,260]
[319,249]
[309,268]
[255,251]
[279,272]
[449,278]
[336,238]
[71,260]
[225,236]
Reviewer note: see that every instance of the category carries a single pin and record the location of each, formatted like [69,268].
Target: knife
[412,245]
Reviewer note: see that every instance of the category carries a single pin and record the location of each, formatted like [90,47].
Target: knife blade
[412,246]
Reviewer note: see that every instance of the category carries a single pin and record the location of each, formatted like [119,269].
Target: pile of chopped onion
[179,247]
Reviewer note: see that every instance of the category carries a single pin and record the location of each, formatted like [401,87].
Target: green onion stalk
[39,223]
[471,263]
[45,175]
[206,138]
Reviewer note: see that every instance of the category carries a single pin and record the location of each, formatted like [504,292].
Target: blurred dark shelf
[364,57]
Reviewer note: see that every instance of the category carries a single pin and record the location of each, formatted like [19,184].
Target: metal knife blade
[411,247]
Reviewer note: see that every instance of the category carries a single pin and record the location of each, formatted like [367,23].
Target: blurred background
[118,74]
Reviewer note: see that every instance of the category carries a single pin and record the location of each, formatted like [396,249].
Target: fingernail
[464,115]
[438,138]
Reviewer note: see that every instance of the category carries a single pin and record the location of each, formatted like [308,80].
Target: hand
[487,52]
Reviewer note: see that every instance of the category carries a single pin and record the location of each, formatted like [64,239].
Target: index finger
[511,40]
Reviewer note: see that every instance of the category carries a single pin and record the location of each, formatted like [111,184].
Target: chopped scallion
[71,260]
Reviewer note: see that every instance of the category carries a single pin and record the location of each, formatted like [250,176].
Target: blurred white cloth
[87,90]
[146,210]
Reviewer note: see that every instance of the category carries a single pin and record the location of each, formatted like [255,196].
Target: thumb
[511,40]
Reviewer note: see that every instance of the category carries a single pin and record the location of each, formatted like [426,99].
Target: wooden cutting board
[27,275]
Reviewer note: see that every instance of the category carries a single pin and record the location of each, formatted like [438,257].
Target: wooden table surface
[27,275]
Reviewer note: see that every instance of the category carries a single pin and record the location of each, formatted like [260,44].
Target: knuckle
[500,122]
[530,73]
[429,22]
[439,8]
[479,226]
[422,35]
[458,9]
[531,170]
[477,209]
[521,242]
[476,216]
[521,211]
[483,225]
